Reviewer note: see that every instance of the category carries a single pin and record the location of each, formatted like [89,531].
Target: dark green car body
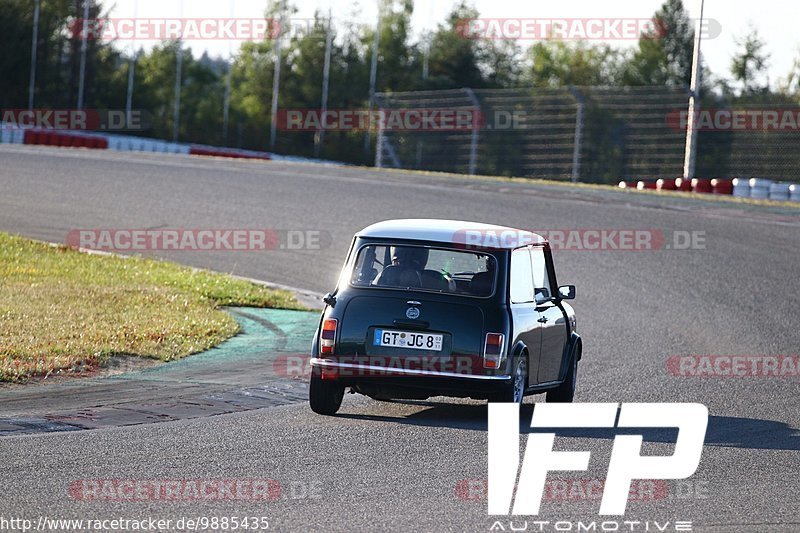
[455,319]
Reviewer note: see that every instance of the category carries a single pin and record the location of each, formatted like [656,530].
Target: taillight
[328,336]
[493,350]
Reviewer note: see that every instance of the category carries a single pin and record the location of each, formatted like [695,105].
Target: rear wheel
[325,397]
[515,391]
[565,392]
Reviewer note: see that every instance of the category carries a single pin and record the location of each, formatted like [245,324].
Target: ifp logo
[626,463]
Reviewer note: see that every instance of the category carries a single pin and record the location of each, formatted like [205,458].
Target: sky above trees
[775,20]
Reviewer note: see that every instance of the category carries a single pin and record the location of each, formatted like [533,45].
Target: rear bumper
[360,370]
[410,383]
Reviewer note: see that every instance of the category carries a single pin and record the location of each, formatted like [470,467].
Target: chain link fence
[588,134]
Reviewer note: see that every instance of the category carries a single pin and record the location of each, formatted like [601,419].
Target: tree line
[440,59]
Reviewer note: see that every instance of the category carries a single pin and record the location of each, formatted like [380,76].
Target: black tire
[325,397]
[514,392]
[565,392]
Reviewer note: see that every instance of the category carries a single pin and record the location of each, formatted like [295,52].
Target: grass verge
[63,311]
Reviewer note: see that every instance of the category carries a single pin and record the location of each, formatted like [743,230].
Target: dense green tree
[202,99]
[399,61]
[502,64]
[664,55]
[58,56]
[750,63]
[454,59]
[558,64]
[251,94]
[154,90]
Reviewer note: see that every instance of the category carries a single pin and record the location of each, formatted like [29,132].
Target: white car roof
[452,232]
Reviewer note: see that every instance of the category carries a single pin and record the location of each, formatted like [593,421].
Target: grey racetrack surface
[392,466]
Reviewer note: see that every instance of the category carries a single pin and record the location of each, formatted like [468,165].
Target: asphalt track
[402,466]
[263,366]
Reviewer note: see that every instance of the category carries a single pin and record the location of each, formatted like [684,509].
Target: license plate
[408,339]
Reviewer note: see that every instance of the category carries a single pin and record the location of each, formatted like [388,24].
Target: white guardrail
[13,134]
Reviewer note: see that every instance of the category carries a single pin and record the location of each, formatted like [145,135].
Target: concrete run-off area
[238,375]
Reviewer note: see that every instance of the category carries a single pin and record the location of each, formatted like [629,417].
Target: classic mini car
[445,308]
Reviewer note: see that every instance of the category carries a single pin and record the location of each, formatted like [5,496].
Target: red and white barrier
[741,187]
[779,191]
[11,135]
[759,189]
[124,143]
[702,186]
[738,187]
[666,185]
[722,186]
[213,151]
[64,138]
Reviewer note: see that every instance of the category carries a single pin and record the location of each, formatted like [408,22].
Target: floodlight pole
[226,103]
[34,46]
[131,67]
[319,139]
[84,46]
[176,114]
[694,106]
[373,76]
[276,82]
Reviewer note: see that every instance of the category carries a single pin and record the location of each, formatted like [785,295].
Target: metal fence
[589,134]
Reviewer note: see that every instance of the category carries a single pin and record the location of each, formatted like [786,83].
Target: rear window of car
[424,268]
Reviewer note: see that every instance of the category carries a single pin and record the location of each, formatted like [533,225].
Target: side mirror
[541,296]
[566,292]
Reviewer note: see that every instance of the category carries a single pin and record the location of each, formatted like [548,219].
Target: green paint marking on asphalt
[264,332]
[239,374]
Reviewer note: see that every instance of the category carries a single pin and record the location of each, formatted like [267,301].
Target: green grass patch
[64,311]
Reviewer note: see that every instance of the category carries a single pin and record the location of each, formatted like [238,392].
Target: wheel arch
[519,349]
[576,346]
[573,348]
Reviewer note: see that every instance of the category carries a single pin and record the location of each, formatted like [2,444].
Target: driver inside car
[408,270]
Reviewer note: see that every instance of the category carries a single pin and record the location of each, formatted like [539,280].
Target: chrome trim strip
[327,363]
